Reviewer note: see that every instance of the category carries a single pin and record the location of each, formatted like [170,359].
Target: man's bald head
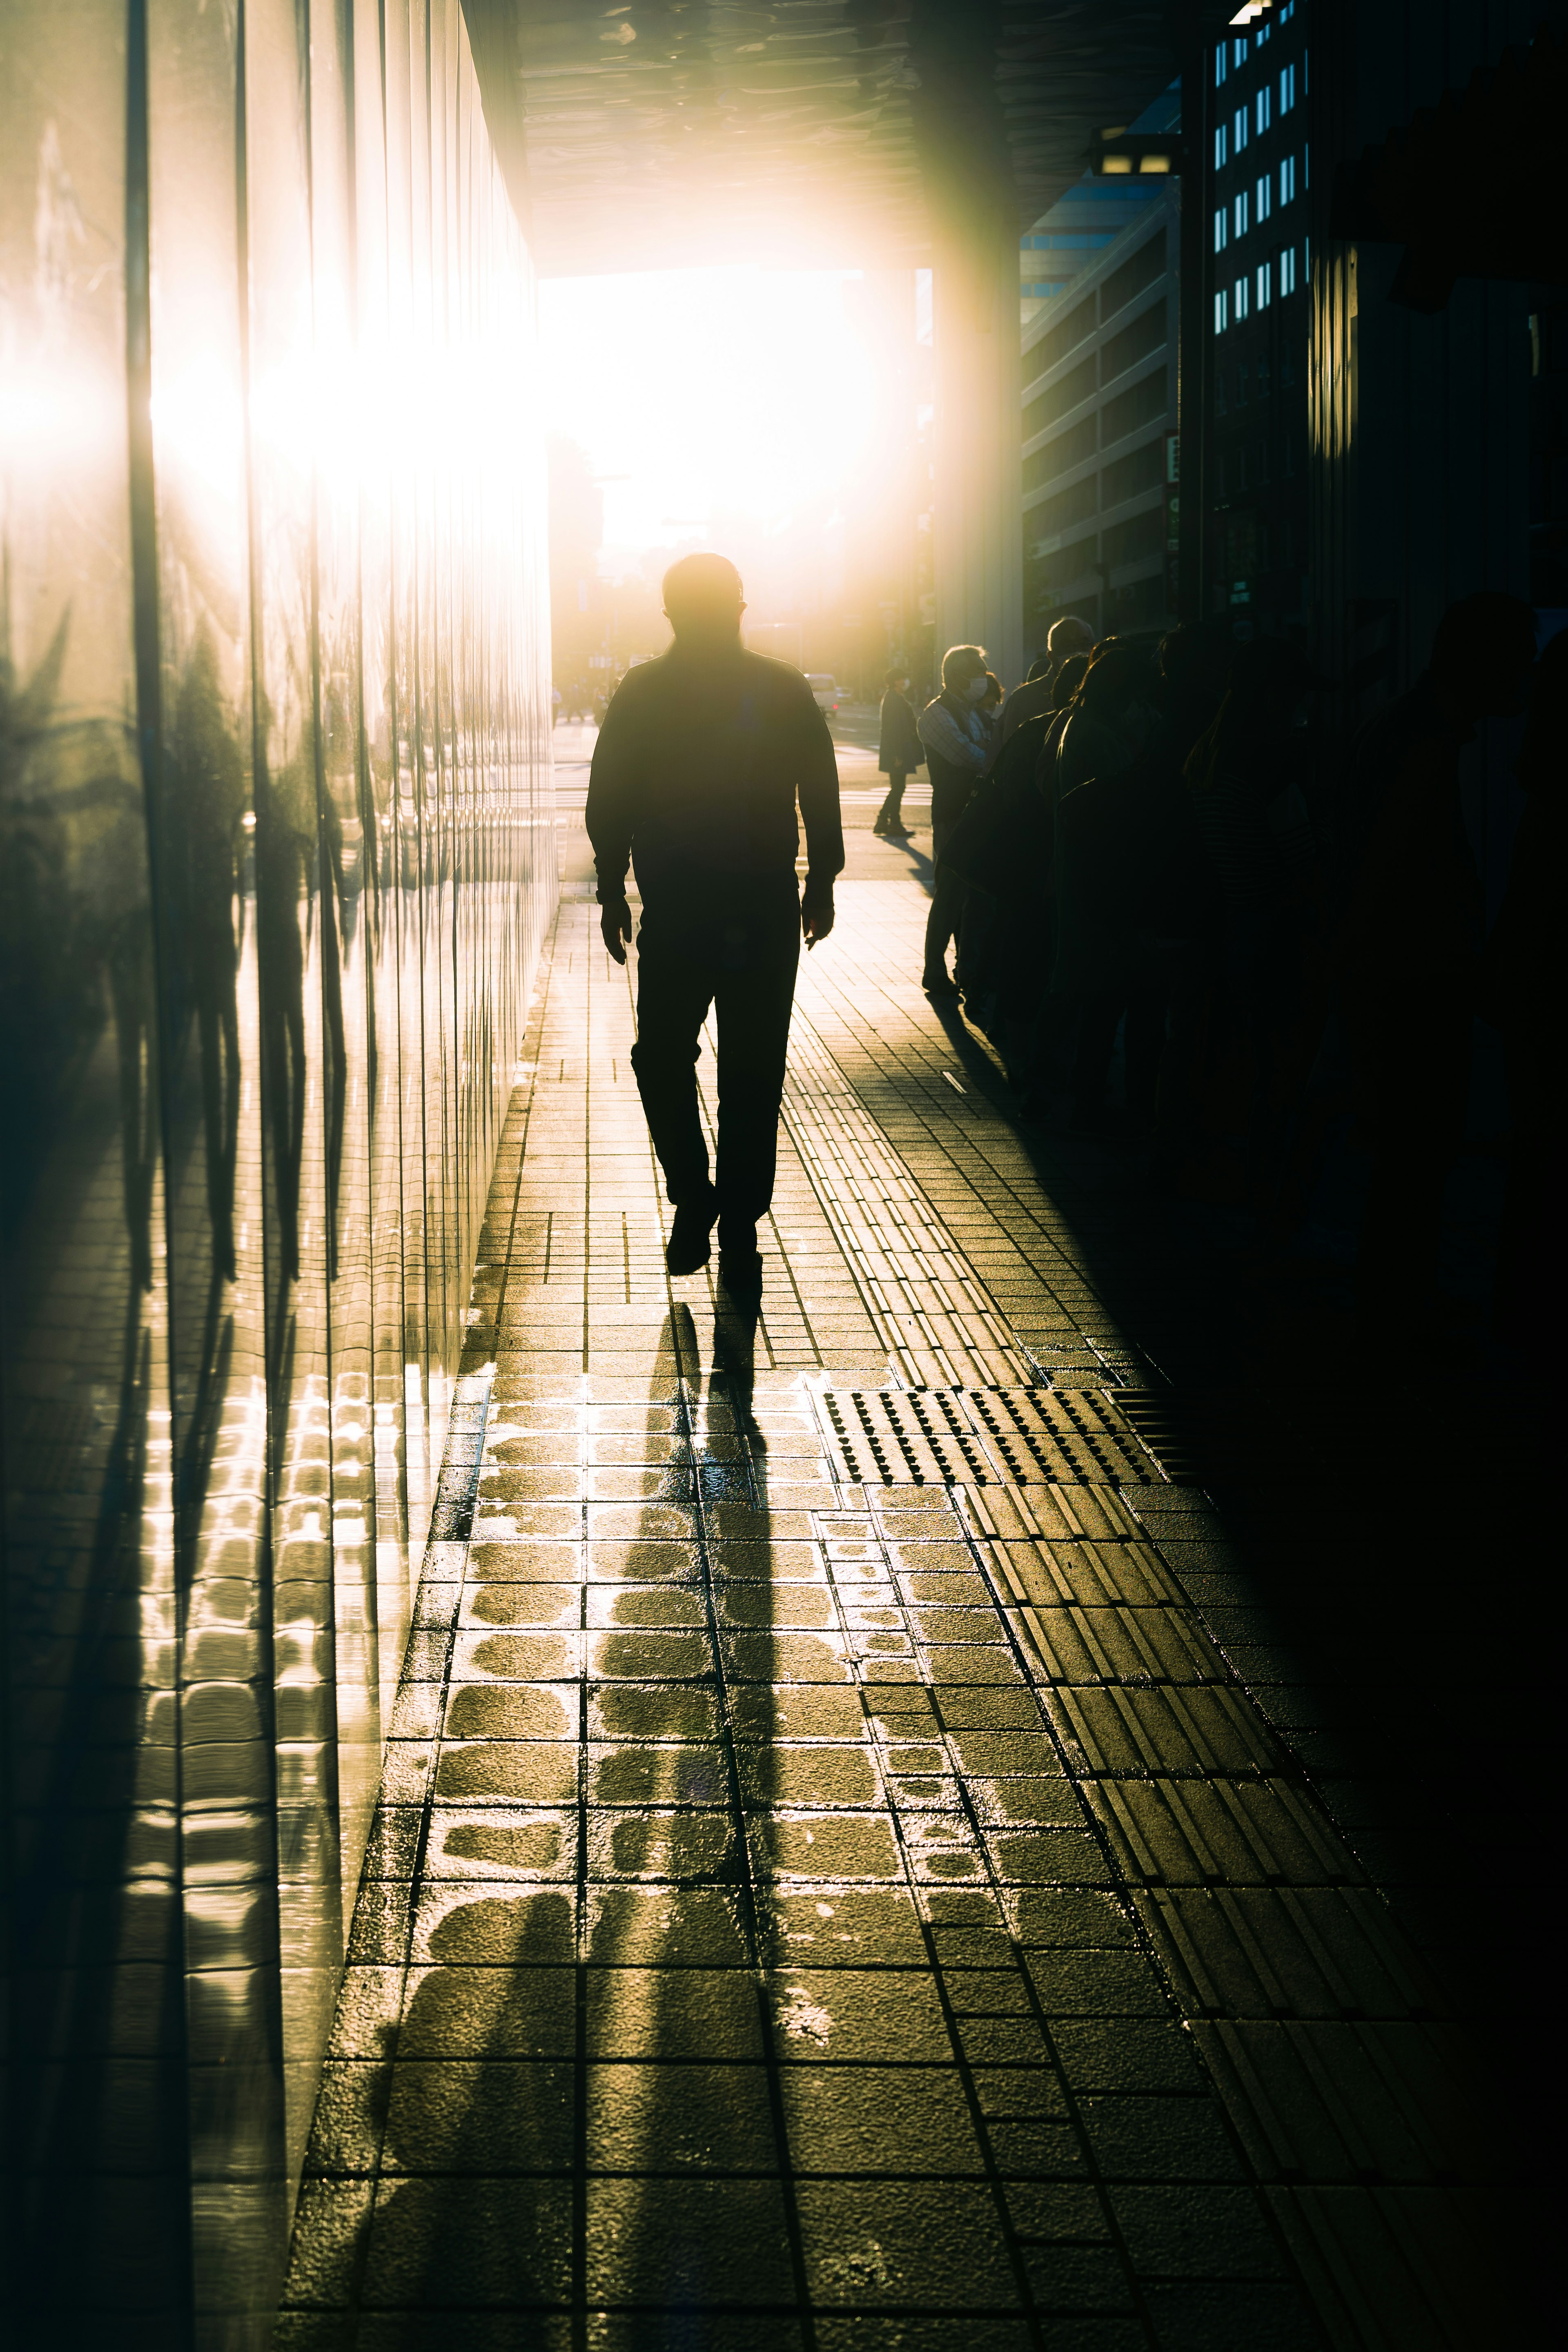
[1069,635]
[703,599]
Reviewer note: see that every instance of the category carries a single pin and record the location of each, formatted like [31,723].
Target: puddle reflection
[589,2064]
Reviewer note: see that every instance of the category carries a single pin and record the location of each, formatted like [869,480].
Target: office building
[1249,172]
[1100,448]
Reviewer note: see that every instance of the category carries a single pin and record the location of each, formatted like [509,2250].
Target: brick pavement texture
[842,1878]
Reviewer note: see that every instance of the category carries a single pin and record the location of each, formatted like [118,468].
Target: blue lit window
[1263,199]
[1287,271]
[1221,229]
[1221,311]
[1260,35]
[1265,112]
[1221,154]
[1241,219]
[1221,64]
[1288,180]
[1286,89]
[1239,299]
[1288,11]
[1238,49]
[1265,284]
[1239,130]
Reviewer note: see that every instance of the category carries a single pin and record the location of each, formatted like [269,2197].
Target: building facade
[1099,447]
[1248,171]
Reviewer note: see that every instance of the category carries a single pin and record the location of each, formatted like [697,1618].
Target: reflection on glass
[275,861]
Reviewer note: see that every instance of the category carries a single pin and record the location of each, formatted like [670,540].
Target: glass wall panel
[95,2137]
[276,859]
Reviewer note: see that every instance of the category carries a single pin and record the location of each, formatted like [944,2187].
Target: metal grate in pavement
[1223,1439]
[981,1437]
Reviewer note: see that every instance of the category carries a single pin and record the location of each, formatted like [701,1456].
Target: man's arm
[816,782]
[609,818]
[941,731]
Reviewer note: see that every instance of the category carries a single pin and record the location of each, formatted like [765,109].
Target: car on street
[824,689]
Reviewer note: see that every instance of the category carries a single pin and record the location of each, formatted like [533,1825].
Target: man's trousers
[750,985]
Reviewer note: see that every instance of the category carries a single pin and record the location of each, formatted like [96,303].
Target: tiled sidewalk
[831,1889]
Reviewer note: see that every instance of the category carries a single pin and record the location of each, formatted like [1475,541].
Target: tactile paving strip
[981,1437]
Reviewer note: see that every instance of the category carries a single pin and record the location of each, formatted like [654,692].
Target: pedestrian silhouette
[899,751]
[958,749]
[1070,639]
[1412,936]
[1522,973]
[694,781]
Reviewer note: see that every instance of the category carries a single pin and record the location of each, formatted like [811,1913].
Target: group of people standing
[1132,845]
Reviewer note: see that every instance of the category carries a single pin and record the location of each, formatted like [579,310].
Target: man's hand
[615,928]
[816,918]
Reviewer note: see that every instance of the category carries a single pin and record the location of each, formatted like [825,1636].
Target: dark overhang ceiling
[658,132]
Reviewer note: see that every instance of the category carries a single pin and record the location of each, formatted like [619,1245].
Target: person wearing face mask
[958,750]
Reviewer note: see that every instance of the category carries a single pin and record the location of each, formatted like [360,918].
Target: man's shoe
[741,1272]
[937,984]
[740,1260]
[690,1245]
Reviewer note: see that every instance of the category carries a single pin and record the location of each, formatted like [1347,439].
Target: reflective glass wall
[276,853]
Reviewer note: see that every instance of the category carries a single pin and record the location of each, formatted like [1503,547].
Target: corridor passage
[850,1870]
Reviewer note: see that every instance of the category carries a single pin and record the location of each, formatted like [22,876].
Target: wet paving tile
[876,1915]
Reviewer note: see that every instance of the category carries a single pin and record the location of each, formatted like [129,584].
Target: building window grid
[1259,286]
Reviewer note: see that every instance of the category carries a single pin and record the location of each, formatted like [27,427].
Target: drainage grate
[982,1437]
[1218,1438]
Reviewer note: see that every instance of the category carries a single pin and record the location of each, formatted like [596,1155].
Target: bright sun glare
[736,392]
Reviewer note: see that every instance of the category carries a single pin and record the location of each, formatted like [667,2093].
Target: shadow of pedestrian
[582,2116]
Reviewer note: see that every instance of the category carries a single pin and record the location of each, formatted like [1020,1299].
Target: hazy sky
[713,391]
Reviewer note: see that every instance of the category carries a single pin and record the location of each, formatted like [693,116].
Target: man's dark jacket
[695,777]
[899,750]
[1036,698]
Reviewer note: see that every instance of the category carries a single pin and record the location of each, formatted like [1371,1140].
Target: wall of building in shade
[276,855]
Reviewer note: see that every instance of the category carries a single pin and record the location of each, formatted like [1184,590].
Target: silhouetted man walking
[695,776]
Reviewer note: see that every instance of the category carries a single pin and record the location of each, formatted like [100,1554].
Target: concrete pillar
[978,520]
